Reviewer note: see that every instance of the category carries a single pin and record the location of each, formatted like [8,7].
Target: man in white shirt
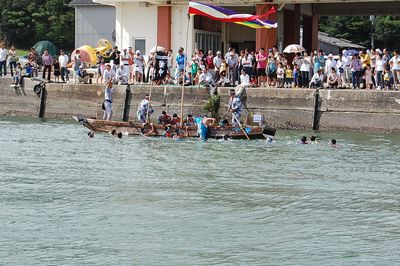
[125,58]
[241,88]
[121,75]
[317,79]
[3,59]
[63,59]
[217,61]
[206,79]
[330,63]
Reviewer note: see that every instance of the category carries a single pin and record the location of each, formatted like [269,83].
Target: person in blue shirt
[180,62]
[203,124]
[235,107]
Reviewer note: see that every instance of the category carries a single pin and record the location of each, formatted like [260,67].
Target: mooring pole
[127,105]
[43,97]
[315,125]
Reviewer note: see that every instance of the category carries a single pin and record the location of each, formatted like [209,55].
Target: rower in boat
[235,107]
[164,118]
[145,109]
[189,121]
[107,104]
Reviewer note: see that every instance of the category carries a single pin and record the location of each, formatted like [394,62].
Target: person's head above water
[303,140]
[119,135]
[333,141]
[113,132]
[313,138]
[91,134]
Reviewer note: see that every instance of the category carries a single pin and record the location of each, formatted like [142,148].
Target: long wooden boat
[216,132]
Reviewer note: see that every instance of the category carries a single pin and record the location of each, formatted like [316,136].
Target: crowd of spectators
[367,68]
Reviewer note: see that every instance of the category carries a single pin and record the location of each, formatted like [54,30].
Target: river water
[65,199]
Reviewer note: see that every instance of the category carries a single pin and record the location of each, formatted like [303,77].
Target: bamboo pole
[184,68]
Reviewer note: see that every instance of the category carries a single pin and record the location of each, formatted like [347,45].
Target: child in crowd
[386,79]
[28,70]
[288,76]
[368,77]
[17,76]
[194,66]
[223,80]
[280,75]
[57,70]
[296,75]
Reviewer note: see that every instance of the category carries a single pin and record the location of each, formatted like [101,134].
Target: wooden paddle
[240,125]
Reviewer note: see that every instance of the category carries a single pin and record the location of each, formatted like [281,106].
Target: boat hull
[216,132]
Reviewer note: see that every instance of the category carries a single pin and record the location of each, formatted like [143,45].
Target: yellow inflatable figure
[89,54]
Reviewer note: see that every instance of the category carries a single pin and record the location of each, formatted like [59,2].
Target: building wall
[135,21]
[93,23]
[179,27]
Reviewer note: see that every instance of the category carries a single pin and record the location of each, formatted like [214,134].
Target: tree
[359,30]
[25,22]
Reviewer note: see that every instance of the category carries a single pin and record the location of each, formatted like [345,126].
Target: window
[139,44]
[208,42]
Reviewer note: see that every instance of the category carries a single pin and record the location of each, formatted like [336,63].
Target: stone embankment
[358,110]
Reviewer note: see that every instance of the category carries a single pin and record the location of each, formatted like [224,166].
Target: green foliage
[359,29]
[212,106]
[24,22]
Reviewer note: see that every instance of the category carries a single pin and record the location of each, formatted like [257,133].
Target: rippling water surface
[65,199]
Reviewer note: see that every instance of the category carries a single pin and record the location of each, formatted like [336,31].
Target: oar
[240,125]
[148,106]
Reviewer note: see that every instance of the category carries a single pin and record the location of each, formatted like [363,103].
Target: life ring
[38,88]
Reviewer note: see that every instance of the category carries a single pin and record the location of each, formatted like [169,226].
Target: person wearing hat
[83,76]
[217,61]
[235,107]
[330,62]
[108,99]
[145,109]
[139,67]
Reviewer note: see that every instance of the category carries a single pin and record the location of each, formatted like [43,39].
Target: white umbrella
[156,49]
[294,48]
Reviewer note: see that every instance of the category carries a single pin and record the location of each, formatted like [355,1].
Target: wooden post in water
[127,104]
[315,125]
[43,98]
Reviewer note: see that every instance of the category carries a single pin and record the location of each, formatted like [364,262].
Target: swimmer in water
[149,133]
[113,133]
[333,143]
[303,140]
[119,135]
[91,134]
[313,140]
[179,134]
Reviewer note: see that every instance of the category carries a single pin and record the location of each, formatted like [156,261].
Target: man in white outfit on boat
[107,104]
[145,109]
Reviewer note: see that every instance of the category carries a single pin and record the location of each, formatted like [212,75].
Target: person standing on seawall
[3,59]
[63,59]
[395,65]
[47,63]
[13,59]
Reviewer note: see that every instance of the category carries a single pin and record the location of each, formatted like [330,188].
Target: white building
[93,22]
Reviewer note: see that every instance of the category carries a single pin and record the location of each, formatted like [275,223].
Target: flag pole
[184,68]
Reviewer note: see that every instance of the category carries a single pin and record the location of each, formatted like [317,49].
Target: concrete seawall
[359,110]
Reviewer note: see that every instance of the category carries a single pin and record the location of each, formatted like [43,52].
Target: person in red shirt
[164,118]
[210,63]
[175,119]
[261,59]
